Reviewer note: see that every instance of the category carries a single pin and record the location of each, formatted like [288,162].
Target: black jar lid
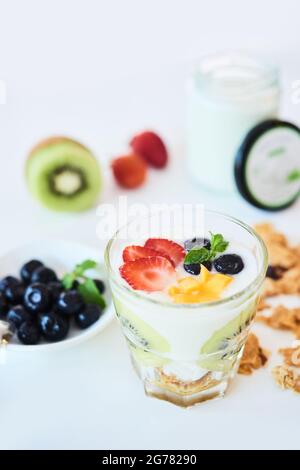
[267,165]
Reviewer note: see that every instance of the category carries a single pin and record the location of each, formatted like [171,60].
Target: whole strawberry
[150,146]
[130,171]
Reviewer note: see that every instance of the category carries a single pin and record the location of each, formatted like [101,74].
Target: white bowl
[62,256]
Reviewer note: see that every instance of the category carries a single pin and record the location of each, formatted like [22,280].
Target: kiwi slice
[225,344]
[146,358]
[142,338]
[63,175]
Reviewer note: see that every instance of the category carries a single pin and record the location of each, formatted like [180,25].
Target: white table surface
[89,397]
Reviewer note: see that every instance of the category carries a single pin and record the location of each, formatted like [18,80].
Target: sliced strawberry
[148,274]
[130,171]
[151,147]
[167,248]
[134,252]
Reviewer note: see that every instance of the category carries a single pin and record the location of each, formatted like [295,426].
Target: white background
[99,71]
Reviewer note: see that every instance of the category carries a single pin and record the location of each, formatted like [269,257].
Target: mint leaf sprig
[78,272]
[201,255]
[87,287]
[218,244]
[197,255]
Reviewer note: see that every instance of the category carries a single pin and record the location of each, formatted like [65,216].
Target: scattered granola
[270,288]
[286,378]
[283,276]
[270,235]
[291,356]
[282,318]
[283,256]
[254,356]
[262,305]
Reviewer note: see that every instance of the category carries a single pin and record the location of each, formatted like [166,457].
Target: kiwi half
[224,345]
[142,338]
[63,175]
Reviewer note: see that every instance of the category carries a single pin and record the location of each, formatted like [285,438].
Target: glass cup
[187,353]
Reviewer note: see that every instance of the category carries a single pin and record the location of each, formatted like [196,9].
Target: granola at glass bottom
[173,384]
[286,378]
[282,318]
[254,357]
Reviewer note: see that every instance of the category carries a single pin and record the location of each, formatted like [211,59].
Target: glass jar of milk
[228,94]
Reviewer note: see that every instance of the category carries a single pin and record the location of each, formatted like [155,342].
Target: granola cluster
[282,318]
[286,378]
[286,375]
[283,277]
[254,356]
[291,356]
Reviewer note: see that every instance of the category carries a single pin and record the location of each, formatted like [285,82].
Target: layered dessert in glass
[186,305]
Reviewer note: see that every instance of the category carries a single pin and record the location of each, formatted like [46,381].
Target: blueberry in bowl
[70,302]
[29,333]
[88,316]
[53,327]
[3,306]
[28,269]
[37,298]
[8,282]
[100,285]
[75,284]
[43,275]
[14,294]
[56,288]
[18,315]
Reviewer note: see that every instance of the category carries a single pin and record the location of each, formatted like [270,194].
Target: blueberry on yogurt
[196,242]
[229,264]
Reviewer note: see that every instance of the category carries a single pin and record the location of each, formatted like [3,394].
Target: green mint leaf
[197,255]
[68,280]
[218,244]
[78,272]
[84,266]
[90,293]
[200,255]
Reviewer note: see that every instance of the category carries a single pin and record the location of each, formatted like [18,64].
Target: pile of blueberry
[37,305]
